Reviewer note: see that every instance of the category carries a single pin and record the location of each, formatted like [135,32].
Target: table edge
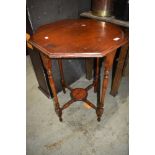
[75,55]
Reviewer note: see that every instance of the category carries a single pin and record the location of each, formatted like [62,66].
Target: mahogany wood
[47,64]
[99,83]
[66,105]
[126,64]
[79,38]
[96,75]
[107,66]
[79,94]
[62,75]
[90,104]
[119,70]
[90,86]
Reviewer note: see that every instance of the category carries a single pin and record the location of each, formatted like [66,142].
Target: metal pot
[102,7]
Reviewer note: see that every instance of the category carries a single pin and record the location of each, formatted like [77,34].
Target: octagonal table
[80,38]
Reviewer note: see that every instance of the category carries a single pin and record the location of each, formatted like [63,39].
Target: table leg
[119,70]
[48,66]
[99,83]
[125,64]
[107,66]
[96,75]
[62,75]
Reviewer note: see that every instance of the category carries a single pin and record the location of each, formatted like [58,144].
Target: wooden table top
[78,38]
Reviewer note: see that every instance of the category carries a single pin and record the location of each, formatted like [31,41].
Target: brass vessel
[102,7]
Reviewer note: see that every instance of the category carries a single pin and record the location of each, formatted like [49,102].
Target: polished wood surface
[62,75]
[78,38]
[119,70]
[107,67]
[96,75]
[47,64]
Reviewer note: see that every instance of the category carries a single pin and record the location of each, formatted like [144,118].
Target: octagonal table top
[78,38]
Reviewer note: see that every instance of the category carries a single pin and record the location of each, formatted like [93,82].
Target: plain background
[13,77]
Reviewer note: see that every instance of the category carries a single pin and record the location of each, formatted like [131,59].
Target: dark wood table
[80,38]
[121,56]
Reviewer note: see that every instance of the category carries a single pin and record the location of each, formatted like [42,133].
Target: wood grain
[78,38]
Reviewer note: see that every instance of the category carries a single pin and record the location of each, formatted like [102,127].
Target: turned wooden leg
[48,66]
[62,75]
[99,83]
[96,75]
[107,66]
[119,70]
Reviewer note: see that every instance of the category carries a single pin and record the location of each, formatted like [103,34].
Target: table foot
[59,113]
[99,113]
[98,119]
[113,93]
[63,89]
[60,119]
